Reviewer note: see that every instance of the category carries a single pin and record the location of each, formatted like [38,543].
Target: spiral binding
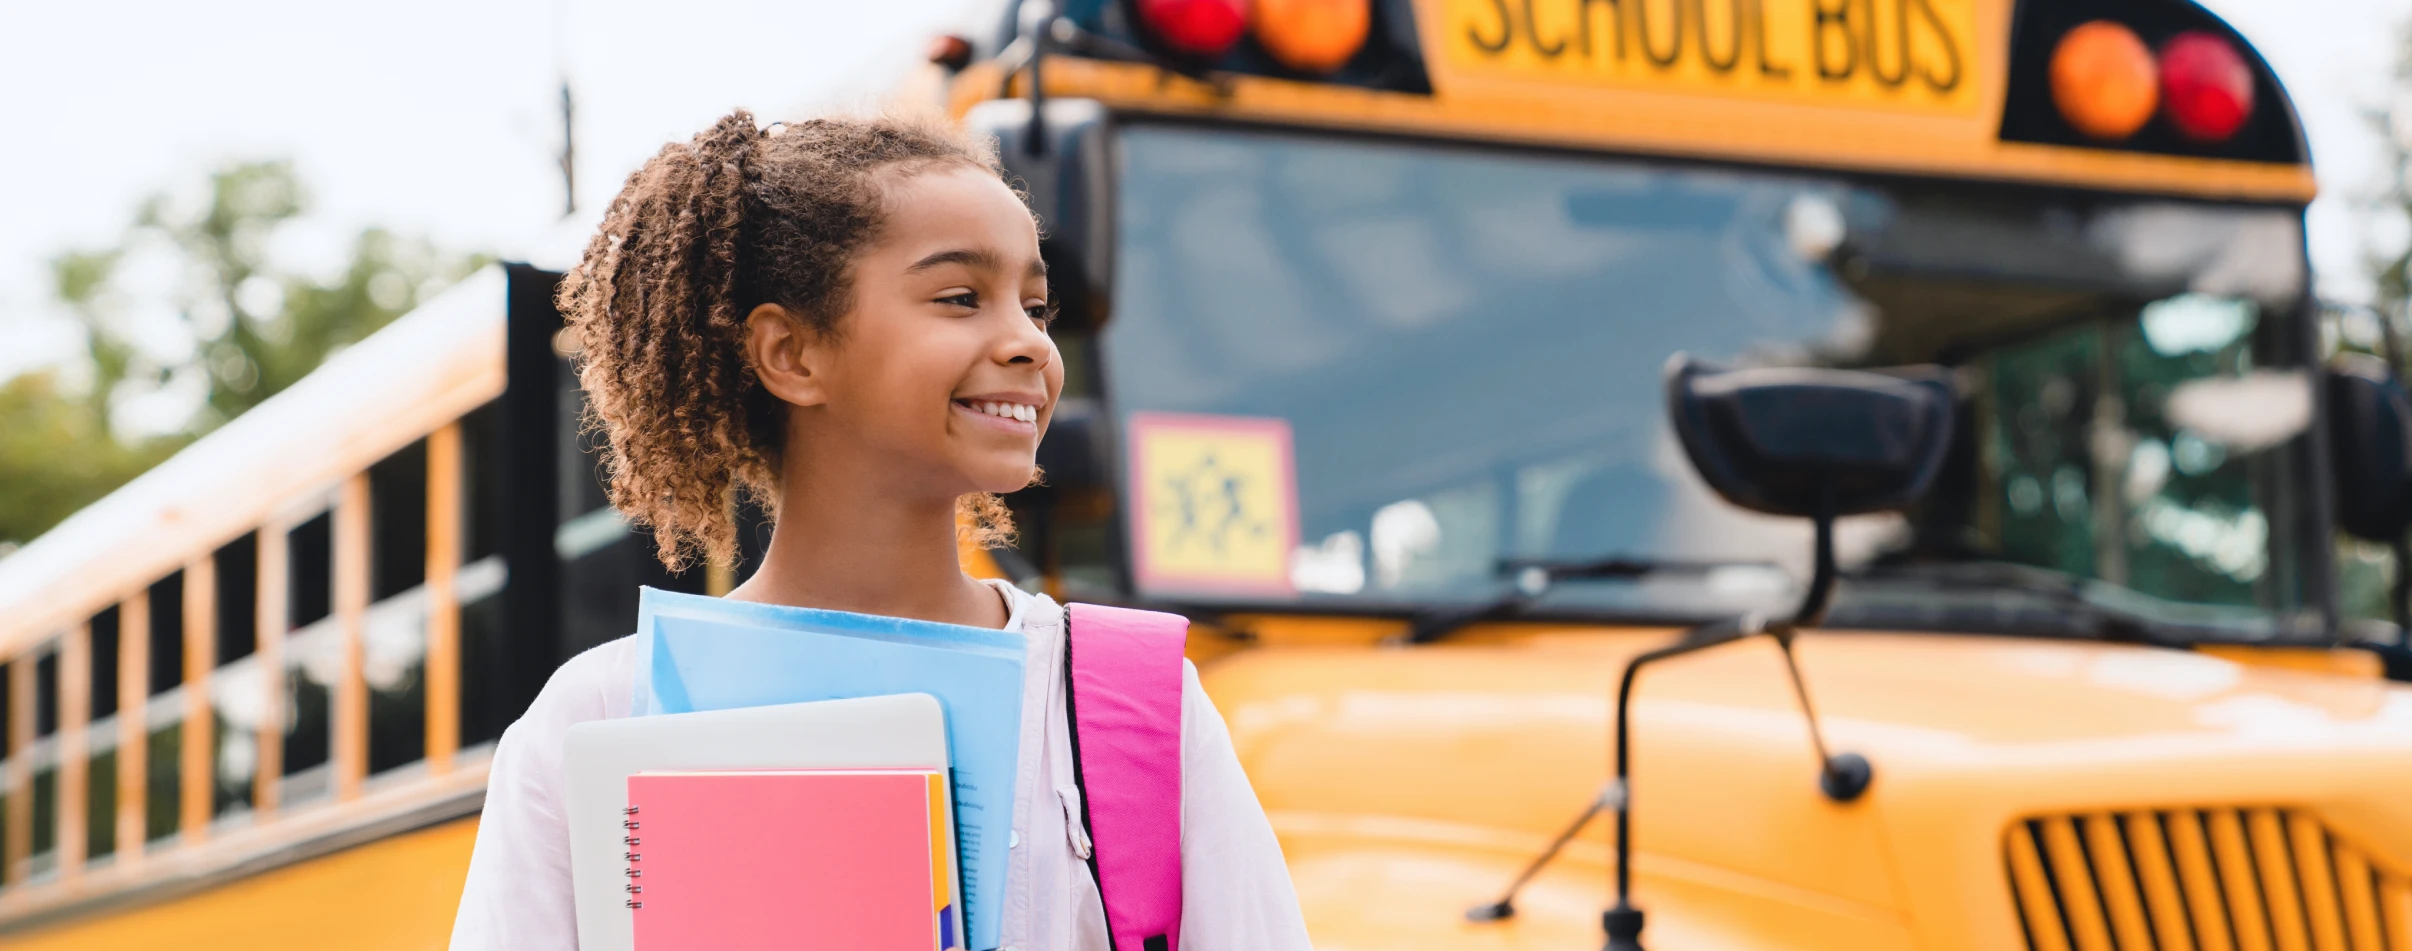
[630,824]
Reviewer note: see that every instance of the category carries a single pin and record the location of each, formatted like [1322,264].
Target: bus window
[2366,570]
[310,558]
[235,679]
[2096,425]
[487,693]
[42,851]
[603,559]
[394,646]
[100,776]
[1466,344]
[163,713]
[1466,347]
[309,675]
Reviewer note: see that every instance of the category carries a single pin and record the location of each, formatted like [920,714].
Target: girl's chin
[1004,477]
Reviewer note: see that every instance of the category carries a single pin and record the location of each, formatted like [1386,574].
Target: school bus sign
[1911,55]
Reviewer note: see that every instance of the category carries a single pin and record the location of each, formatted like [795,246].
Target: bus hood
[1409,784]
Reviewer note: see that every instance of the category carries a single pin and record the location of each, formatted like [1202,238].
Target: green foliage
[56,455]
[243,328]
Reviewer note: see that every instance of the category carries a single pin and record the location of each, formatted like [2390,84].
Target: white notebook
[899,731]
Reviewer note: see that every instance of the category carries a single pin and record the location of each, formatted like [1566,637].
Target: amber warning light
[2108,84]
[1313,36]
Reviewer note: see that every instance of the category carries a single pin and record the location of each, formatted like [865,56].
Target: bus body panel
[1410,785]
[395,894]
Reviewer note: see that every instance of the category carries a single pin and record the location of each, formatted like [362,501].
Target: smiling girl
[846,322]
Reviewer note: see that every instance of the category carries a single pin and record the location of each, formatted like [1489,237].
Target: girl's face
[942,374]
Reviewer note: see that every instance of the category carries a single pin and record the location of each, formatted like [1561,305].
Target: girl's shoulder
[598,684]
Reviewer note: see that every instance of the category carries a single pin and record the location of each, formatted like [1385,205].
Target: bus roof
[1940,88]
[276,463]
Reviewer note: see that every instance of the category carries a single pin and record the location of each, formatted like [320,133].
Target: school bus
[1444,360]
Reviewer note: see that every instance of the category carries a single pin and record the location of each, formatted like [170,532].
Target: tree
[2393,270]
[232,329]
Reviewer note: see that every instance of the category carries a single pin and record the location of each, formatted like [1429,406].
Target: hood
[1492,745]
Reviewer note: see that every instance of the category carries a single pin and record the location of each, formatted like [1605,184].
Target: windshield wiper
[1533,577]
[2094,615]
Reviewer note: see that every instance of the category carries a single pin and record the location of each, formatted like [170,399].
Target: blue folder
[699,653]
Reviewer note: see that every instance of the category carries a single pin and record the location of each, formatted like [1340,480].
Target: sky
[440,117]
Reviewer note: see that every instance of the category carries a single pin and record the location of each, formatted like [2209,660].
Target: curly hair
[699,236]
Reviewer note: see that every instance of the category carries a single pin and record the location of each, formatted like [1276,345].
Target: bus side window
[163,714]
[310,604]
[394,651]
[100,772]
[486,704]
[43,787]
[234,726]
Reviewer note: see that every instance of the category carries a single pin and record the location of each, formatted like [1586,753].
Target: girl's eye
[1042,314]
[968,299]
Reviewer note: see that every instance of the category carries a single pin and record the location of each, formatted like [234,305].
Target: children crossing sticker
[1215,503]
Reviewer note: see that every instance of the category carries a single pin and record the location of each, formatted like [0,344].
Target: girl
[846,320]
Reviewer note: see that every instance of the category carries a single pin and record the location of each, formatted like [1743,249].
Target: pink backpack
[1122,689]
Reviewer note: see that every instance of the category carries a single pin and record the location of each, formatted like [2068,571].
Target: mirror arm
[1505,907]
[1842,778]
[1820,595]
[1623,923]
[1038,20]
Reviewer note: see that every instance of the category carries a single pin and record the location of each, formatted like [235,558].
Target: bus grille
[2260,879]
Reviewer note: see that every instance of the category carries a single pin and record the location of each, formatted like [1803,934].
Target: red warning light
[1202,28]
[2206,86]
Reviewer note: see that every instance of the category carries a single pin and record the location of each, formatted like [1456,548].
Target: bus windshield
[1466,347]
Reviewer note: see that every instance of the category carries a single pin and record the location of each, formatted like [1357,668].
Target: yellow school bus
[1411,346]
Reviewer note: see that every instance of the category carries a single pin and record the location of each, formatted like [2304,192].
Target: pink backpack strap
[1123,692]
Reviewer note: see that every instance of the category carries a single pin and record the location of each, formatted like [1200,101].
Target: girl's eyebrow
[979,259]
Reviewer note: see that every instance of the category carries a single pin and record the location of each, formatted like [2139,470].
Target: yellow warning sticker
[1215,503]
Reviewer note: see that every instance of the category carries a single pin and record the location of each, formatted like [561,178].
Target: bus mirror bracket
[1068,180]
[1813,443]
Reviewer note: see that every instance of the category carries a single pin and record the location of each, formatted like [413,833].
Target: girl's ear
[788,358]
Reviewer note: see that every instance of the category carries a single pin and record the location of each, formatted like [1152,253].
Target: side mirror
[1807,443]
[1812,443]
[2370,447]
[1067,174]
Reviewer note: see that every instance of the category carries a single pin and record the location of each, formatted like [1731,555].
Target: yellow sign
[1215,503]
[1909,55]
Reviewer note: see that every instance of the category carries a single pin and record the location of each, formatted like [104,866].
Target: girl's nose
[1025,343]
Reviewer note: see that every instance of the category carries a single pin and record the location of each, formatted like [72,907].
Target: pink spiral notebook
[860,860]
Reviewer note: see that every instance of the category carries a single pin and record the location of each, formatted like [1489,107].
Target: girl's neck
[870,551]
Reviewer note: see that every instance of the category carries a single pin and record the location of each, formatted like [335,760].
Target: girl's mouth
[1012,416]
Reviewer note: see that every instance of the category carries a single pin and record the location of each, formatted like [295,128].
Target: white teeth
[1015,411]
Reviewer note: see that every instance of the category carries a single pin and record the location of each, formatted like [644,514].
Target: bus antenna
[569,151]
